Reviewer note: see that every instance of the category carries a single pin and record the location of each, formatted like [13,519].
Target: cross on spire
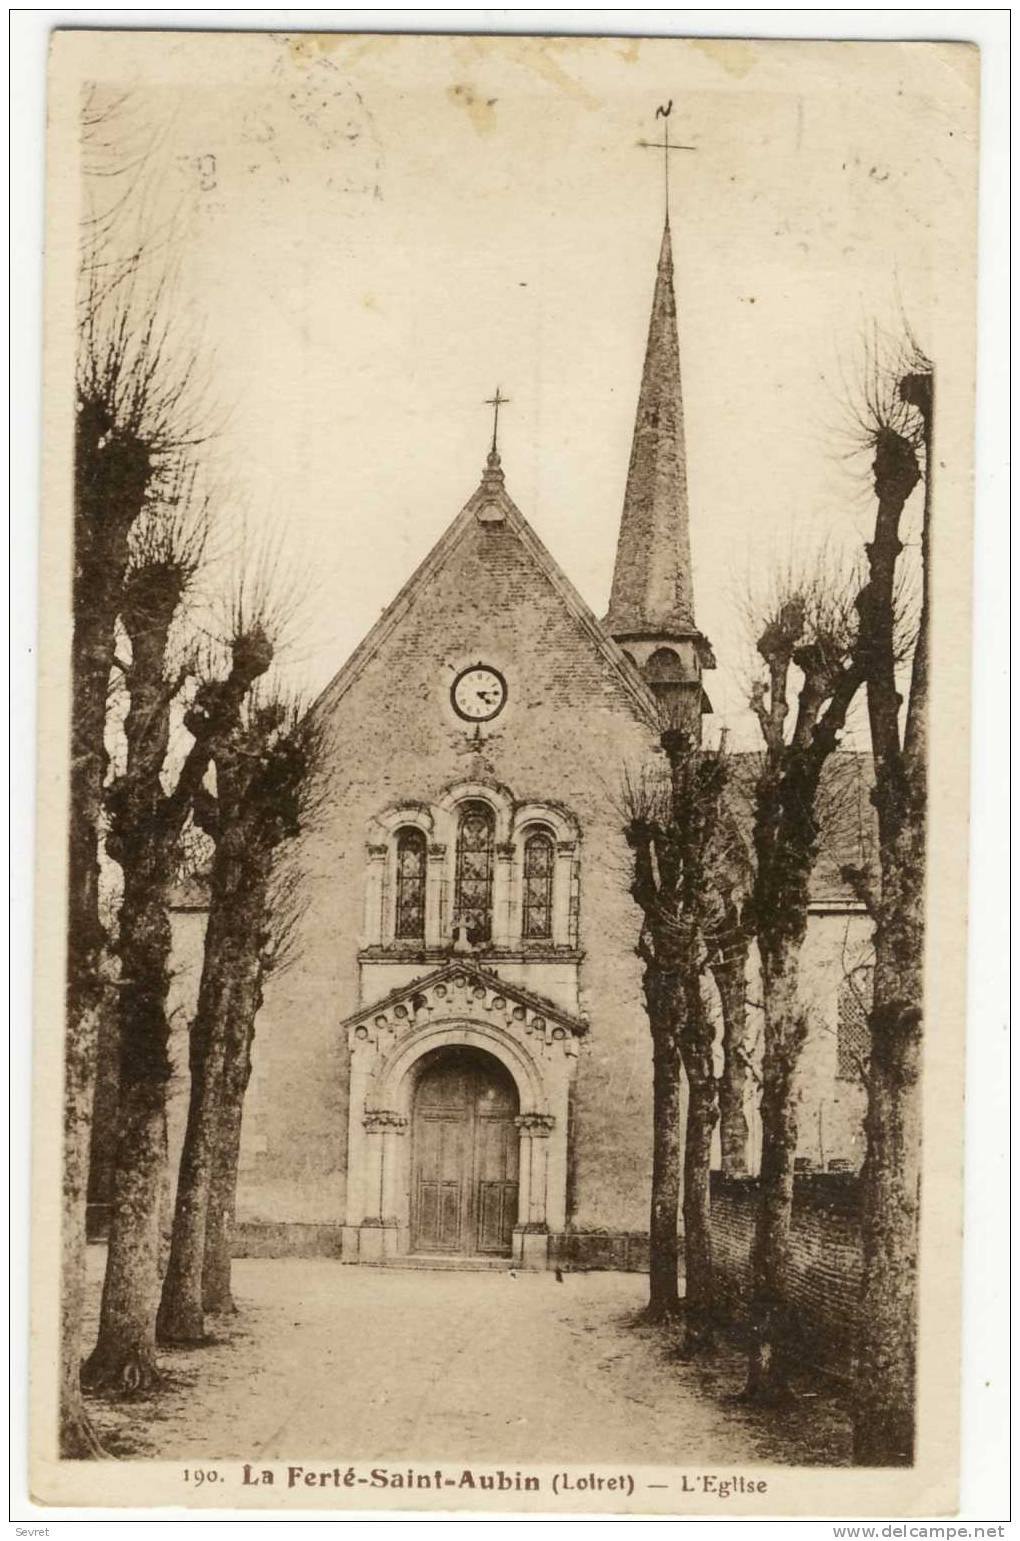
[495,402]
[665,145]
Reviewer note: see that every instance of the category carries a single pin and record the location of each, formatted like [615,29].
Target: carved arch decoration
[447,807]
[388,1041]
[440,822]
[413,815]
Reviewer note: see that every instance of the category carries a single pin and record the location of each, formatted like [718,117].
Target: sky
[367,236]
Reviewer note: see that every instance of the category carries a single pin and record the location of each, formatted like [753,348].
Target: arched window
[410,914]
[475,844]
[853,1035]
[539,859]
[664,667]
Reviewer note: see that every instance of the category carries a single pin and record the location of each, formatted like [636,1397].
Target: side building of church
[457,1063]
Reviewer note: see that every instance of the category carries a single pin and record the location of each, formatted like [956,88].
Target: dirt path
[333,1362]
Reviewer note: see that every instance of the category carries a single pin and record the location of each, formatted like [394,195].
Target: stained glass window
[538,887]
[475,842]
[853,1036]
[410,924]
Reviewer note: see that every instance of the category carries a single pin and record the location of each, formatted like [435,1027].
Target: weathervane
[665,146]
[495,402]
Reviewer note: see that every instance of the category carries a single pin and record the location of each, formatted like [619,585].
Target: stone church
[458,1065]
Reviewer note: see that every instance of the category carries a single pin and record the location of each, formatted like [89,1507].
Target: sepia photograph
[505,660]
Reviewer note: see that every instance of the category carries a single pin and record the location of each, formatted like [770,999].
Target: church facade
[457,1064]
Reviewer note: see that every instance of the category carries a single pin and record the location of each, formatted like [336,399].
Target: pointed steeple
[651,608]
[652,584]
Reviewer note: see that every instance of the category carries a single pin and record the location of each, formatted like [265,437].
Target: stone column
[394,1140]
[531,1233]
[561,1069]
[362,1059]
[374,889]
[378,1231]
[561,893]
[435,874]
[502,889]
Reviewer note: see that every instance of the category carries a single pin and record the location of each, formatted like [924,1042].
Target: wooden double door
[464,1155]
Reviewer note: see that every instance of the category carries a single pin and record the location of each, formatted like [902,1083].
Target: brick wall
[825,1245]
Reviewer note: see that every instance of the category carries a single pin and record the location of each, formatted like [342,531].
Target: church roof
[492,504]
[464,972]
[653,592]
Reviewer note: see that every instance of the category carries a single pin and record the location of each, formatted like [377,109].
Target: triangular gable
[467,972]
[492,501]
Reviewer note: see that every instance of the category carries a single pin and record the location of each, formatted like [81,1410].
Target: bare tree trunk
[729,970]
[143,842]
[884,1416]
[887,1337]
[112,471]
[180,1318]
[675,840]
[217,1293]
[78,1439]
[104,1105]
[261,768]
[663,1238]
[696,1040]
[769,1317]
[86,1000]
[124,1359]
[232,953]
[146,827]
[809,630]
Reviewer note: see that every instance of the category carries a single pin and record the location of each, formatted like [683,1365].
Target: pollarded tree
[728,962]
[729,935]
[130,427]
[148,810]
[810,630]
[645,808]
[673,828]
[135,416]
[113,474]
[263,772]
[897,421]
[283,907]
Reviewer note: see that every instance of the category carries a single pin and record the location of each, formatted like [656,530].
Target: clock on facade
[478,693]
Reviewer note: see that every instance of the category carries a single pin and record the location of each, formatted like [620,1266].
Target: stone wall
[276,1239]
[831,1106]
[825,1247]
[584,1251]
[569,731]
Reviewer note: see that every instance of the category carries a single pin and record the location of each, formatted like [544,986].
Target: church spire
[651,608]
[652,585]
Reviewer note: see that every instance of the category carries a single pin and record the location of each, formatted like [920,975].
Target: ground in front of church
[335,1363]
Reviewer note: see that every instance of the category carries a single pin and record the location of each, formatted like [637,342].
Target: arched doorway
[464,1154]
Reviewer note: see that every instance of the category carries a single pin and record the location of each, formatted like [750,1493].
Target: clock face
[478,693]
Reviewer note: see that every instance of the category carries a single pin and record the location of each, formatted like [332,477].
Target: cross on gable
[495,402]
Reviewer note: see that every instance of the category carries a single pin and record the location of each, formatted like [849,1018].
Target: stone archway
[388,1044]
